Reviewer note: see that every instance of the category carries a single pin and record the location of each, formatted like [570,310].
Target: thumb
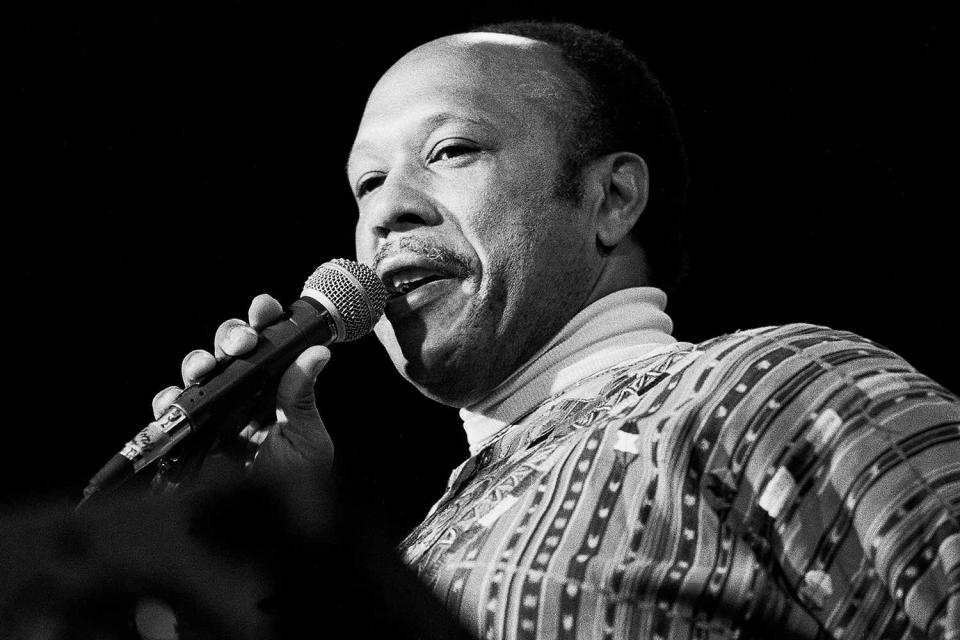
[295,390]
[299,436]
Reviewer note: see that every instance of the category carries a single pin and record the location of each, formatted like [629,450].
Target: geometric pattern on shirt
[792,481]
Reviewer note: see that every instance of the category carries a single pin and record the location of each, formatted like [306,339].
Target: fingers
[163,400]
[234,337]
[196,365]
[264,310]
[298,437]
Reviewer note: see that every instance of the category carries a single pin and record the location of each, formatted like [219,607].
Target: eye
[368,183]
[452,149]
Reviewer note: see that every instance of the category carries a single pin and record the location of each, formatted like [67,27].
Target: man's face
[455,167]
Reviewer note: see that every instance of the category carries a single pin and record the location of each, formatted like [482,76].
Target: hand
[287,429]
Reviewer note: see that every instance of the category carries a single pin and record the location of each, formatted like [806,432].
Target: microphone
[341,302]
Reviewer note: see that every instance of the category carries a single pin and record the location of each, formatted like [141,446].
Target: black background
[170,163]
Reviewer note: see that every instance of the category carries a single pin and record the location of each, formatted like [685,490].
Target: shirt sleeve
[843,471]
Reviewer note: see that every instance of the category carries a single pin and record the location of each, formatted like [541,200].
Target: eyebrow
[434,121]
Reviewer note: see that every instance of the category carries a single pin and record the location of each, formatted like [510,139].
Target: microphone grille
[355,292]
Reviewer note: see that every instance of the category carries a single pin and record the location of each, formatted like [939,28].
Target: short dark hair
[625,110]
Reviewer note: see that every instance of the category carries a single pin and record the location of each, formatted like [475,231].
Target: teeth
[399,282]
[408,276]
[407,279]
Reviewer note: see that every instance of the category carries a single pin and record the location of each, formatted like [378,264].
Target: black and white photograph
[493,321]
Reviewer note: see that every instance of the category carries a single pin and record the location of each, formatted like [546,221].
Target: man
[790,480]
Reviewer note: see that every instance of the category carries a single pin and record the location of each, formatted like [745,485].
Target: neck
[623,325]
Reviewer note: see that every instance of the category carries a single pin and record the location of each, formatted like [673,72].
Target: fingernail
[235,337]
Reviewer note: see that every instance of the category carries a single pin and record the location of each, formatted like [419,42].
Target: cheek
[506,213]
[363,244]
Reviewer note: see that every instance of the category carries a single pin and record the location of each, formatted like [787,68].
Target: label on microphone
[151,436]
[155,435]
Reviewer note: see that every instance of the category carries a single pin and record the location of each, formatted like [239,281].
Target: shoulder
[780,352]
[764,347]
[747,364]
[760,387]
[753,392]
[795,337]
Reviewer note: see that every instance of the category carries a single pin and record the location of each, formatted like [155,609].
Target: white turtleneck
[625,325]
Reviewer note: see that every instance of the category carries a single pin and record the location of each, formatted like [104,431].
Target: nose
[399,204]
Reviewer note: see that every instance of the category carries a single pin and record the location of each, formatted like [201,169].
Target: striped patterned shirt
[788,482]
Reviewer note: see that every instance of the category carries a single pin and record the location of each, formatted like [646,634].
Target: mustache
[445,258]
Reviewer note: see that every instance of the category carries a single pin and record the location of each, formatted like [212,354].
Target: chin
[453,395]
[439,379]
[436,370]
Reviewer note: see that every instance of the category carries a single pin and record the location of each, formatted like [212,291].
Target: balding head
[489,70]
[535,68]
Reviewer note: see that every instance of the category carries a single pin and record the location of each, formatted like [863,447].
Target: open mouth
[403,281]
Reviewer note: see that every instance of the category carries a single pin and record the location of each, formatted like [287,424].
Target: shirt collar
[624,325]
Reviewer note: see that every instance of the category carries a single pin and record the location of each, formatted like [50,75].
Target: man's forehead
[484,70]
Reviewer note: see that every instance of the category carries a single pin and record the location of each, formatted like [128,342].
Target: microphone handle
[231,383]
[308,323]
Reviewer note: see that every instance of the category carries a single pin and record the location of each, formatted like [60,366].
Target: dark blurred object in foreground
[250,561]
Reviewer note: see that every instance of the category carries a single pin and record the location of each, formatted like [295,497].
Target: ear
[625,183]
